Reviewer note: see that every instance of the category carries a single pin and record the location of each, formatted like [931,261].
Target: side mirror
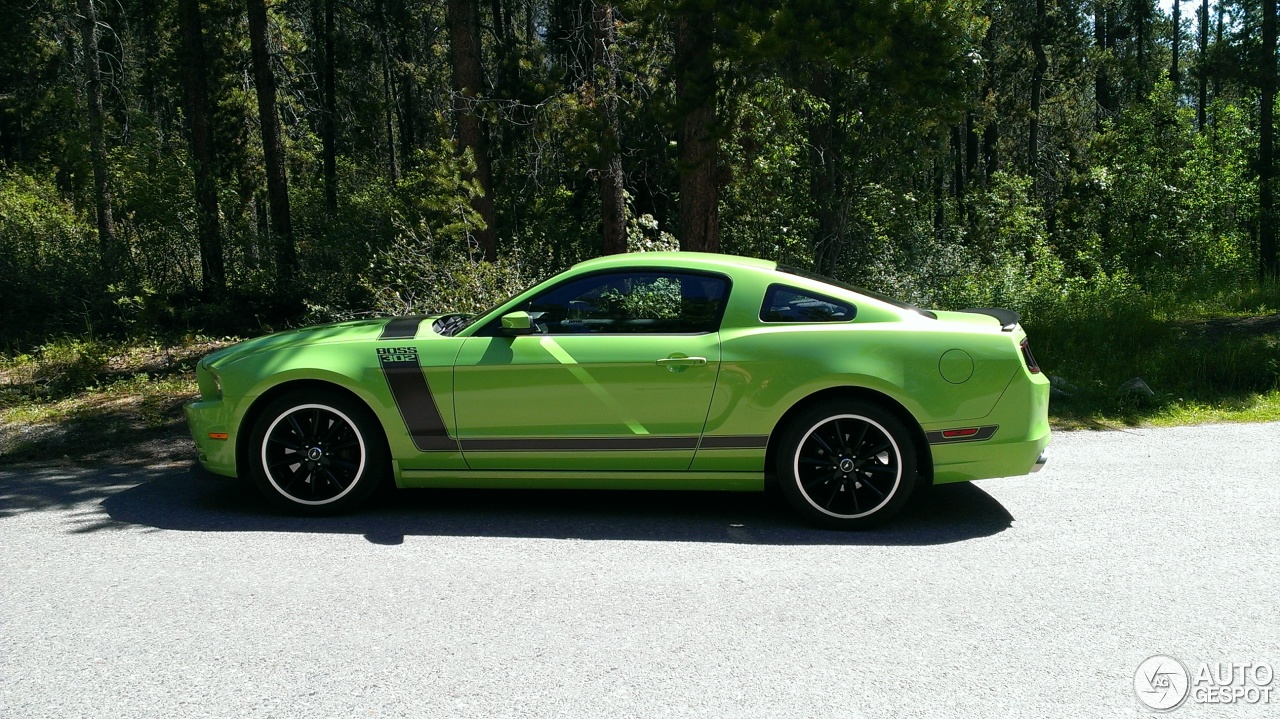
[517,323]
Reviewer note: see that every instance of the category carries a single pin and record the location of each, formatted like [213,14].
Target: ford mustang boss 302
[657,370]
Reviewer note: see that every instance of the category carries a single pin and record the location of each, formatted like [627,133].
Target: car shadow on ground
[192,500]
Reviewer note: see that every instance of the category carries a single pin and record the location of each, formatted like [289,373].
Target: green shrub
[48,260]
[66,366]
[405,279]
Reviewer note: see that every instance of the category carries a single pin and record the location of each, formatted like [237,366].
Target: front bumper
[207,420]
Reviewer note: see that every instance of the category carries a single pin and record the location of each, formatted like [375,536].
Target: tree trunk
[939,205]
[388,94]
[272,148]
[97,139]
[1217,42]
[1202,61]
[990,149]
[1269,264]
[970,147]
[199,111]
[503,41]
[1141,10]
[328,127]
[957,163]
[468,78]
[612,203]
[499,31]
[151,75]
[938,184]
[1037,83]
[696,104]
[991,131]
[829,244]
[1101,81]
[1174,43]
[407,104]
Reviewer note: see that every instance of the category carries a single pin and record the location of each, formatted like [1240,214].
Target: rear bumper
[1019,445]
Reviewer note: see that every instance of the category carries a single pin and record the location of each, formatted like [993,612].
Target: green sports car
[669,370]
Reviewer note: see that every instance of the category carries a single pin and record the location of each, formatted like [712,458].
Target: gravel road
[156,591]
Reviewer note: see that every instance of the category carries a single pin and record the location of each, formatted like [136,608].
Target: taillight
[1030,358]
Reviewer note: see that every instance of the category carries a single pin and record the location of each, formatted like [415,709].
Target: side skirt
[507,479]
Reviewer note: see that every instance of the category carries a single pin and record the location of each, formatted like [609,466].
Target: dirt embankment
[82,401]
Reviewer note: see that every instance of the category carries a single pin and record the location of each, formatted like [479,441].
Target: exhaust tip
[1040,461]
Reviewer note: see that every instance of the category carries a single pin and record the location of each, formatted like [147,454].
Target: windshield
[854,288]
[453,323]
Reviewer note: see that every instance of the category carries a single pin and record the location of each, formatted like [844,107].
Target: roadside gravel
[148,590]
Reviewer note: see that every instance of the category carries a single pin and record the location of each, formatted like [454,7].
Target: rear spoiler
[1008,318]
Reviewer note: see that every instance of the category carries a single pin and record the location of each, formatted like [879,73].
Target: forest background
[175,170]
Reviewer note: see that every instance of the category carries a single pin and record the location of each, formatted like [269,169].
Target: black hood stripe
[401,328]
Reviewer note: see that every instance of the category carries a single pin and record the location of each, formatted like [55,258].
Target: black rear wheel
[317,452]
[847,465]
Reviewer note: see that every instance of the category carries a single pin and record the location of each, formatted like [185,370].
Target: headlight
[209,381]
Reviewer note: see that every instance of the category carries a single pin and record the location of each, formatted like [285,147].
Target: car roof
[714,261]
[701,260]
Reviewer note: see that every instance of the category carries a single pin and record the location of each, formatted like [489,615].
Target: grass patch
[1120,356]
[1251,408]
[85,399]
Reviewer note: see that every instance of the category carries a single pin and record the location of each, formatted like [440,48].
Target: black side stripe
[426,427]
[578,444]
[746,441]
[983,433]
[417,406]
[401,328]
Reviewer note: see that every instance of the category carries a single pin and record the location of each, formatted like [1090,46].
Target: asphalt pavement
[157,591]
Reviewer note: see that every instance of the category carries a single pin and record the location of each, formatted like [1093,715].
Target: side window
[790,304]
[630,302]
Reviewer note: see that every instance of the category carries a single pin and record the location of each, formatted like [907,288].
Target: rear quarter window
[783,303]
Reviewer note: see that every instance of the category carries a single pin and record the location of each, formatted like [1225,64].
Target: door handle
[680,361]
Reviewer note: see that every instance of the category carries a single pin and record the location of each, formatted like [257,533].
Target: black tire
[847,464]
[317,452]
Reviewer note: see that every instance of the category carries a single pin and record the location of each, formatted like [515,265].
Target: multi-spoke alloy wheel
[313,454]
[317,453]
[847,465]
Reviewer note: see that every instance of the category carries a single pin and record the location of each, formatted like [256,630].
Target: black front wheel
[317,452]
[847,464]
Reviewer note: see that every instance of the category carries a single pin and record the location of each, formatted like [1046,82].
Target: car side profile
[669,370]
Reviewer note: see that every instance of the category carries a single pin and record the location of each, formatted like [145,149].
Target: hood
[350,331]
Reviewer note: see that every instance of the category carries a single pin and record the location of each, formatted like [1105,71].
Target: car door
[618,374]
